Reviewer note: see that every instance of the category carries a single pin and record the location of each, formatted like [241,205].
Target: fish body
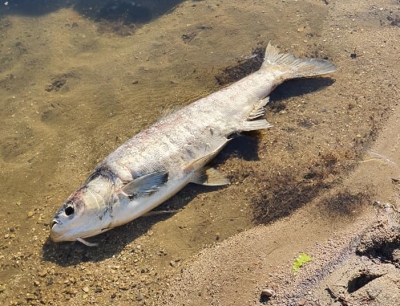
[158,162]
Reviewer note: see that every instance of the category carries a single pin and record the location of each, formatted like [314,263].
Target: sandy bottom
[323,181]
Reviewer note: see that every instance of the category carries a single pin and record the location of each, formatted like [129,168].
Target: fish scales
[158,162]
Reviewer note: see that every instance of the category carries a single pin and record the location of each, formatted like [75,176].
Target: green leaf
[300,261]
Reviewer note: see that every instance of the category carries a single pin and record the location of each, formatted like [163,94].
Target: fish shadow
[299,87]
[111,243]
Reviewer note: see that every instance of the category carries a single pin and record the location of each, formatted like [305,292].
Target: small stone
[2,288]
[36,283]
[30,297]
[42,273]
[267,293]
[139,297]
[135,82]
[123,286]
[302,302]
[85,289]
[30,214]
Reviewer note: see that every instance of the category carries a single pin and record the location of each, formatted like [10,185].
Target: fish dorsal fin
[146,184]
[209,177]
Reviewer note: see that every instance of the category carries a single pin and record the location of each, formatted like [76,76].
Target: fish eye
[69,210]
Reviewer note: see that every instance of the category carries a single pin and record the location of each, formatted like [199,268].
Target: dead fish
[155,164]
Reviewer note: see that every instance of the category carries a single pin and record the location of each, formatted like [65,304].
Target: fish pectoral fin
[209,177]
[145,185]
[91,244]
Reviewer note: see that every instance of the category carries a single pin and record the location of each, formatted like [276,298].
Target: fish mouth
[53,223]
[54,234]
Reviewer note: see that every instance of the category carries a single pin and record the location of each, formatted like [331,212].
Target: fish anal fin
[258,109]
[209,177]
[145,185]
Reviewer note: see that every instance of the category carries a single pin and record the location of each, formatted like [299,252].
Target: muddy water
[76,82]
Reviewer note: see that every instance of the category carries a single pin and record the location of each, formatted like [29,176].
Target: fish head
[86,213]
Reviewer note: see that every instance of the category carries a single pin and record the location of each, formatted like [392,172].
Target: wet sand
[72,89]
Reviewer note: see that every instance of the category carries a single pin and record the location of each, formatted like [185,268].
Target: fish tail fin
[294,67]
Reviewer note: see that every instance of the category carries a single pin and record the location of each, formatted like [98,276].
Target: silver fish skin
[158,162]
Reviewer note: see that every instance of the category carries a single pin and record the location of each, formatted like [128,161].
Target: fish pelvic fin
[295,67]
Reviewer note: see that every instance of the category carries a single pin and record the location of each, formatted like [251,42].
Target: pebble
[30,297]
[85,289]
[42,273]
[30,214]
[123,286]
[302,302]
[2,288]
[267,293]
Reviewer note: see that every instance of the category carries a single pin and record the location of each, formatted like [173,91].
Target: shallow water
[78,78]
